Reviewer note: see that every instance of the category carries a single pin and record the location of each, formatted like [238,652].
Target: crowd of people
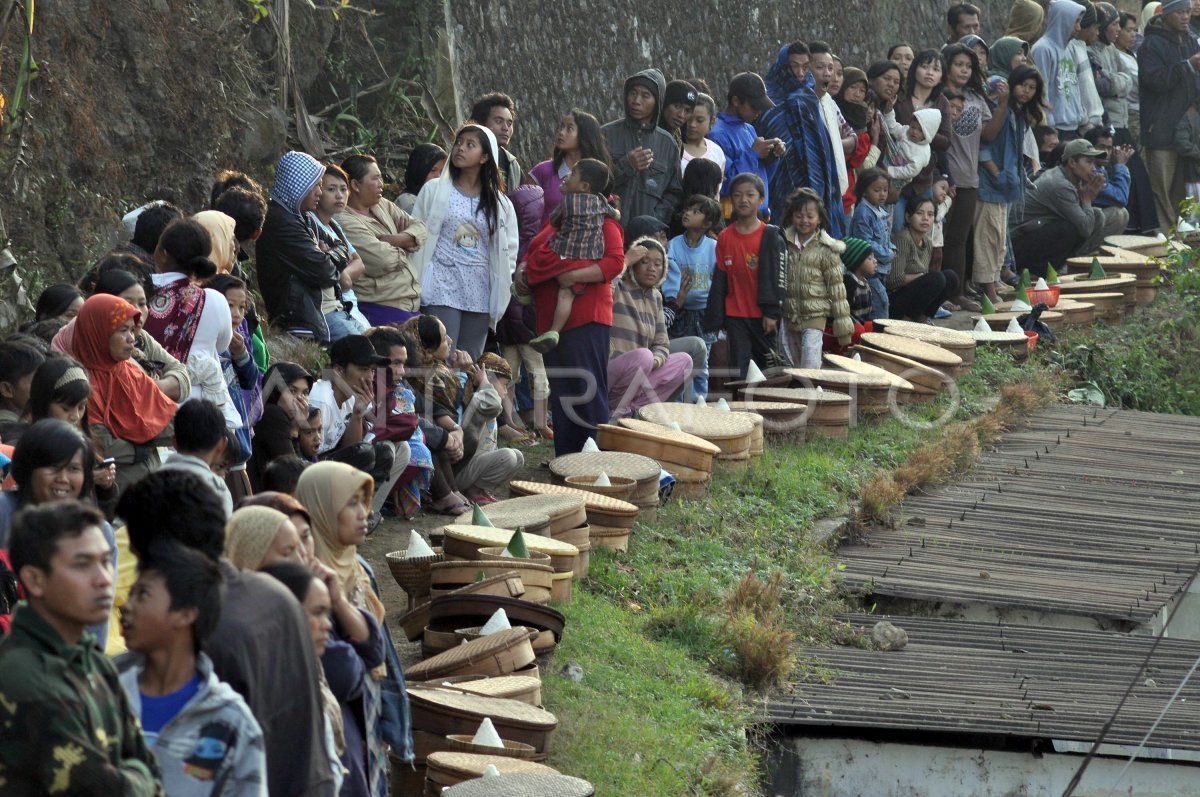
[184,502]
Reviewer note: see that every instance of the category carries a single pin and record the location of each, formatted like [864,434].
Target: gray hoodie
[1062,66]
[658,191]
[213,746]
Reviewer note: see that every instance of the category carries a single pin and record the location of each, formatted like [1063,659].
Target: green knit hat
[857,250]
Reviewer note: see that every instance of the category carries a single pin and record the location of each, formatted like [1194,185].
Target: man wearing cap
[646,170]
[346,398]
[1168,66]
[1059,219]
[734,131]
[678,103]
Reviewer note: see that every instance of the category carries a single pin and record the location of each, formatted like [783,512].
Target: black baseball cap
[355,350]
[750,87]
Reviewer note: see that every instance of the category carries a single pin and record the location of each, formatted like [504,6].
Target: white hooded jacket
[916,153]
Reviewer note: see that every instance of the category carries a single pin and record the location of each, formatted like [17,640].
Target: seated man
[346,397]
[1060,219]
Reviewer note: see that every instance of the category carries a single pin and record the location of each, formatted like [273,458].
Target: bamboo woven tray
[467,611]
[450,768]
[1076,313]
[1118,261]
[563,511]
[642,470]
[662,444]
[1125,284]
[619,487]
[924,379]
[1109,306]
[613,538]
[928,353]
[515,513]
[873,392]
[445,711]
[495,654]
[535,577]
[468,541]
[559,564]
[462,743]
[508,585]
[999,321]
[779,417]
[522,785]
[823,407]
[865,368]
[601,510]
[1011,342]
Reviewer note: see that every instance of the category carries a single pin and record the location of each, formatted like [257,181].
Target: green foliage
[259,10]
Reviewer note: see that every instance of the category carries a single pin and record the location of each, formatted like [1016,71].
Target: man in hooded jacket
[296,260]
[646,166]
[1168,64]
[1063,69]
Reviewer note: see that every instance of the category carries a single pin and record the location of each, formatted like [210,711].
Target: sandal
[481,497]
[451,504]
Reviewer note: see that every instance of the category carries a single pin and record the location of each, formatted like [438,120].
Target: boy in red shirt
[746,299]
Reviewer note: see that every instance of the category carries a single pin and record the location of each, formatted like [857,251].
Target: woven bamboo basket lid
[928,353]
[662,444]
[601,509]
[955,340]
[472,539]
[514,687]
[1076,313]
[924,379]
[562,512]
[1125,284]
[522,784]
[462,743]
[543,641]
[864,368]
[559,563]
[446,711]
[1147,245]
[534,577]
[515,513]
[1015,343]
[495,654]
[999,321]
[775,377]
[643,470]
[841,379]
[728,431]
[445,767]
[450,612]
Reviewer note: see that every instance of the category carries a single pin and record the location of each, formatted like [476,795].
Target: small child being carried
[580,222]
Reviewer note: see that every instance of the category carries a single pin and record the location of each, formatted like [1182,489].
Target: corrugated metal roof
[1083,512]
[1013,681]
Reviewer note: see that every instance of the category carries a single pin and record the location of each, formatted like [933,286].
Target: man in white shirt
[344,396]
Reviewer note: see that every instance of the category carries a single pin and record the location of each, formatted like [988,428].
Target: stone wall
[552,56]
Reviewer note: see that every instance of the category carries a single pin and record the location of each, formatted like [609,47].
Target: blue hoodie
[1055,59]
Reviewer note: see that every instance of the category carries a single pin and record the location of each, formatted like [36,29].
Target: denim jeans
[879,296]
[342,324]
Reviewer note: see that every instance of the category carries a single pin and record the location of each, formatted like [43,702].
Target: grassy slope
[656,713]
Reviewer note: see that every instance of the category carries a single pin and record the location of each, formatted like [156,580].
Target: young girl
[699,125]
[916,292]
[241,375]
[815,291]
[60,390]
[978,123]
[578,137]
[872,223]
[1002,178]
[747,288]
[465,268]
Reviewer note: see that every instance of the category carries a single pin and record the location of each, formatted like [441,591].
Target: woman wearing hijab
[220,227]
[257,536]
[338,498]
[126,404]
[1026,20]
